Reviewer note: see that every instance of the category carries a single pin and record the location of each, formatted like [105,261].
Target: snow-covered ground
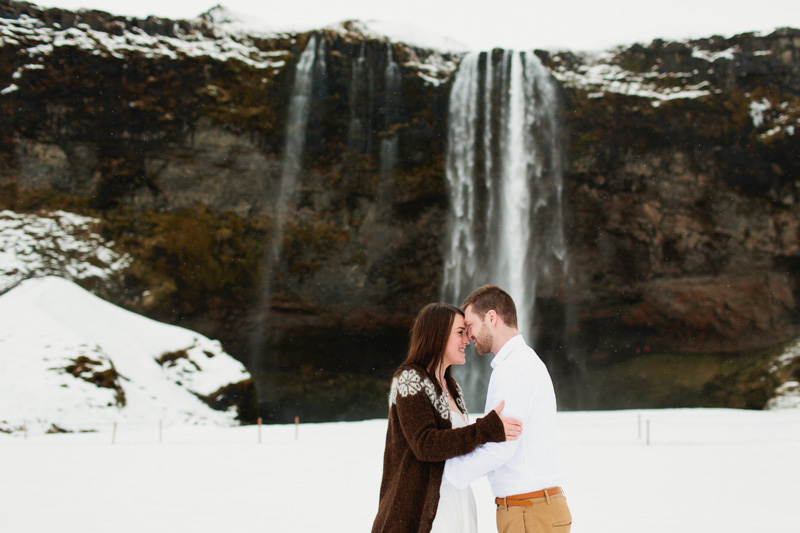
[72,361]
[703,470]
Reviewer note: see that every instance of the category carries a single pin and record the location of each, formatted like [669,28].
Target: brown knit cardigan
[418,441]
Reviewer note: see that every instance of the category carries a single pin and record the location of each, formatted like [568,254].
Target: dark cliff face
[690,204]
[681,186]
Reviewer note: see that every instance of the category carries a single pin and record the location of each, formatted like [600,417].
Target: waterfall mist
[504,174]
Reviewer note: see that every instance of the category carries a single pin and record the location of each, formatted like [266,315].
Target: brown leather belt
[522,499]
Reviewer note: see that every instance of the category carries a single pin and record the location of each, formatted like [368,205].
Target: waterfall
[460,268]
[358,93]
[506,214]
[389,141]
[308,68]
[510,258]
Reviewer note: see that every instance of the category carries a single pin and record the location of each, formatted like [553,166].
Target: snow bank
[787,395]
[70,360]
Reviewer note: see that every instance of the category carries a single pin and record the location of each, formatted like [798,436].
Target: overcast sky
[555,24]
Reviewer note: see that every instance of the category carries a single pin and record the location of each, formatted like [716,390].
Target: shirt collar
[506,350]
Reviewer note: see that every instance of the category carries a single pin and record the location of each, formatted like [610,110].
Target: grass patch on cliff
[241,99]
[29,200]
[191,260]
[684,380]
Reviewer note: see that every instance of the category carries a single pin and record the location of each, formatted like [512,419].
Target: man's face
[478,331]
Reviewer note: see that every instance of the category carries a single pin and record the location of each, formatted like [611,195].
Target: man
[524,474]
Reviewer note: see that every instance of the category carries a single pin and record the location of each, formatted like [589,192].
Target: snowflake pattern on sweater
[410,382]
[460,401]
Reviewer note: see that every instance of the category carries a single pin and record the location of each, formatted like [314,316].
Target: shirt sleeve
[417,417]
[513,388]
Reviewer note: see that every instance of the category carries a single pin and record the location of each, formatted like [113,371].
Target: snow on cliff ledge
[72,361]
[59,243]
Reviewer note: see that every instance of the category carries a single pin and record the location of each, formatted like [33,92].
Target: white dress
[457,512]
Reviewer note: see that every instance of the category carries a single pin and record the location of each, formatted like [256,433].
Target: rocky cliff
[681,188]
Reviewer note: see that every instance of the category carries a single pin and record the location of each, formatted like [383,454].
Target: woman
[427,425]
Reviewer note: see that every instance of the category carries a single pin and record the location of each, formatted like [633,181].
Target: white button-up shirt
[529,463]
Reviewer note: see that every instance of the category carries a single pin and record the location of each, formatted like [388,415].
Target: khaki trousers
[547,514]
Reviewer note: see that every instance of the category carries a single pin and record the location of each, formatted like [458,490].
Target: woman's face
[458,340]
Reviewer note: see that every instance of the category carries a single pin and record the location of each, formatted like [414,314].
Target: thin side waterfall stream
[299,106]
[506,215]
[310,67]
[389,141]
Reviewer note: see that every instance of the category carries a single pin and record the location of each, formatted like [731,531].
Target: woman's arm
[418,420]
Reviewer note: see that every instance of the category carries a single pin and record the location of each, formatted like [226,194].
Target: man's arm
[461,471]
[515,389]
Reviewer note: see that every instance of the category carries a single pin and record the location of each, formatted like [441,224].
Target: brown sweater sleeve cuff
[490,428]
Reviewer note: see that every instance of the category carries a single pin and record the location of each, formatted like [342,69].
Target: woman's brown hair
[429,336]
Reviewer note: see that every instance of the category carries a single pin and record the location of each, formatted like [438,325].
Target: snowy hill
[72,361]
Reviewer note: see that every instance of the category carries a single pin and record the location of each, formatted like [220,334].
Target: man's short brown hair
[492,298]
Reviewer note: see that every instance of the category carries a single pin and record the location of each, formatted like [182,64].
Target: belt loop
[547,496]
[505,502]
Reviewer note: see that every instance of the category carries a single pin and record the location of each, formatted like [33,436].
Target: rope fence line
[646,428]
[671,428]
[114,429]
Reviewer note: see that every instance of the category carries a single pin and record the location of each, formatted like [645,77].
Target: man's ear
[492,316]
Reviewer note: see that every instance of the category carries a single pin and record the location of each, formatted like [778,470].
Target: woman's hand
[512,426]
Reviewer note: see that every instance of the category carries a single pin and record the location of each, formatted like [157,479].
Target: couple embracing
[432,451]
